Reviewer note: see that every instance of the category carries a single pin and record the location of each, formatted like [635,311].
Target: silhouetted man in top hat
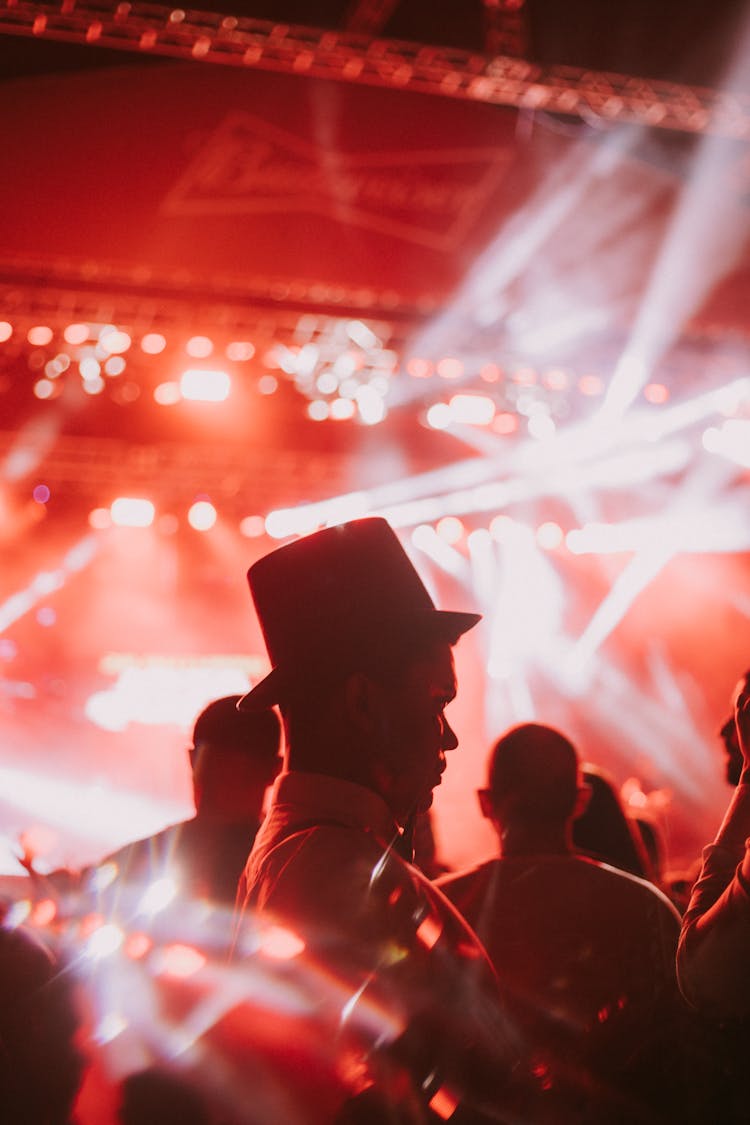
[362,670]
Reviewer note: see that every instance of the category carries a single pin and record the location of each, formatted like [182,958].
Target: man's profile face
[416,734]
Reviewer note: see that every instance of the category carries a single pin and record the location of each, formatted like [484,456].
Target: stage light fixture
[525,377]
[590,385]
[76,333]
[199,347]
[153,343]
[419,368]
[40,335]
[450,529]
[474,410]
[439,416]
[505,423]
[556,379]
[363,336]
[114,341]
[199,384]
[100,518]
[549,535]
[89,367]
[541,427]
[180,961]
[202,515]
[130,511]
[114,366]
[327,383]
[46,616]
[253,527]
[655,393]
[450,368]
[239,351]
[167,394]
[43,388]
[371,405]
[342,408]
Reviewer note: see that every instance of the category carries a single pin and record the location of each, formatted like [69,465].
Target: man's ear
[485,803]
[362,698]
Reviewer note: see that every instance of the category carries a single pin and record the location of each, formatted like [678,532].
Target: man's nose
[450,742]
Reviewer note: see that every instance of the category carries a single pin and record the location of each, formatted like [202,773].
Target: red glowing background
[522,336]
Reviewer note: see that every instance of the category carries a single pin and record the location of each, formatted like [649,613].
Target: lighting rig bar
[346,56]
[266,322]
[241,481]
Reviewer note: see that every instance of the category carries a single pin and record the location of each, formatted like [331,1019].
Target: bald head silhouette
[534,789]
[534,770]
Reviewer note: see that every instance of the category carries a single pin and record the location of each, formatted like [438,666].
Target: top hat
[334,593]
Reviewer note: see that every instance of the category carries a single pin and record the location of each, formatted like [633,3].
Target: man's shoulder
[316,856]
[456,881]
[629,889]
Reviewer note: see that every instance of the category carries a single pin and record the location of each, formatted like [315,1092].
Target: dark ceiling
[686,41]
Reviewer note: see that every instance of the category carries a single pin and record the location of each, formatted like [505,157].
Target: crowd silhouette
[297,953]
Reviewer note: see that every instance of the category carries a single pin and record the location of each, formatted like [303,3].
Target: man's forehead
[437,669]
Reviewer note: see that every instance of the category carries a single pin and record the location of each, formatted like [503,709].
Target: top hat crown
[335,589]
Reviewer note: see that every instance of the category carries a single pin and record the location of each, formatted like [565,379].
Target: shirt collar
[318,797]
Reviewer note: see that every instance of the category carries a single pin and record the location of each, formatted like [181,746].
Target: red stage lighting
[153,343]
[201,385]
[202,515]
[129,511]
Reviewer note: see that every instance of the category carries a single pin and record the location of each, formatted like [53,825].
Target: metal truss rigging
[350,57]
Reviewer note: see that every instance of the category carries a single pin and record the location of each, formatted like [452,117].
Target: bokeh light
[153,343]
[114,341]
[131,511]
[450,529]
[76,333]
[167,394]
[202,515]
[39,335]
[201,385]
[549,535]
[199,347]
[253,527]
[239,351]
[450,368]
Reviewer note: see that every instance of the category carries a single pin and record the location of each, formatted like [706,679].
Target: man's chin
[424,804]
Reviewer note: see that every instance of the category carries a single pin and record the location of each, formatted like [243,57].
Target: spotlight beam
[45,583]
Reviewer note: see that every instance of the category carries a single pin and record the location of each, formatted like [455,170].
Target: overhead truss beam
[346,56]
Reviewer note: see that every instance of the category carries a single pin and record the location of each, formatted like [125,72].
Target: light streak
[46,582]
[703,242]
[89,810]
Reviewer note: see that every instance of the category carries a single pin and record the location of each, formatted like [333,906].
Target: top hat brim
[444,624]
